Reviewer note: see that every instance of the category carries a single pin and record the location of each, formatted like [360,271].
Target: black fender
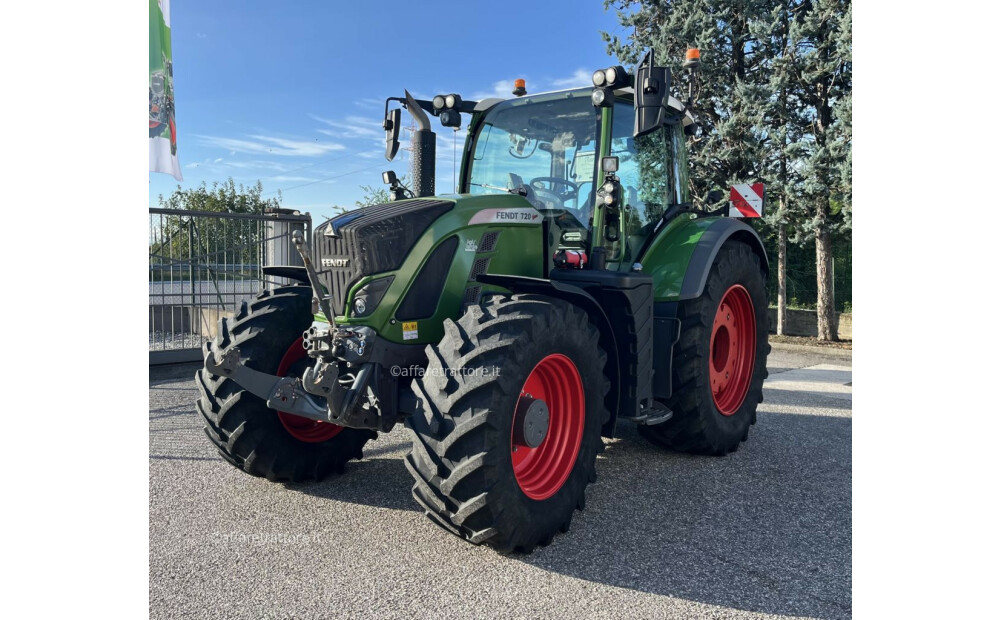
[292,272]
[581,298]
[721,231]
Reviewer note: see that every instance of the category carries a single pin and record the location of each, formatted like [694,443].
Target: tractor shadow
[380,479]
[766,529]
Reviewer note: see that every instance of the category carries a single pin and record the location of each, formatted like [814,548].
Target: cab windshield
[543,146]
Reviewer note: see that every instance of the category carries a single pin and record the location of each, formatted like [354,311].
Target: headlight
[611,75]
[449,101]
[599,78]
[600,97]
[369,296]
[438,102]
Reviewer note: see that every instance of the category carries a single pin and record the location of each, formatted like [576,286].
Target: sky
[292,93]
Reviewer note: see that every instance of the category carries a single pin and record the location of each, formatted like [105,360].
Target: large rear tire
[476,473]
[720,361]
[253,437]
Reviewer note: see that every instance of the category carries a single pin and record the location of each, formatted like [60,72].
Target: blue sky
[292,93]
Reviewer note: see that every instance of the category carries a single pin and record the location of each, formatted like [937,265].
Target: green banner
[162,123]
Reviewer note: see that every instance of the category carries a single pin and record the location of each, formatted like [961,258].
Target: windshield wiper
[488,186]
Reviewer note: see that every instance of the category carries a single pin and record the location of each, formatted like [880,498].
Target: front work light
[601,97]
[369,297]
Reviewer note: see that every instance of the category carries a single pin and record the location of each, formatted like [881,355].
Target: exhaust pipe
[424,150]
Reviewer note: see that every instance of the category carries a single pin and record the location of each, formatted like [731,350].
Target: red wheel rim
[733,347]
[541,471]
[303,429]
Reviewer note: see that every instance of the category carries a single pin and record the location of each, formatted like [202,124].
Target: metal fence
[800,283]
[203,264]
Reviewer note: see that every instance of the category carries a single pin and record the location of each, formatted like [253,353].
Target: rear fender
[681,255]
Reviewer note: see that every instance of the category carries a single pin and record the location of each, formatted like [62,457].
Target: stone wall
[803,323]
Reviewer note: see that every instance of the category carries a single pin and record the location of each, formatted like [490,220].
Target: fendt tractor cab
[567,288]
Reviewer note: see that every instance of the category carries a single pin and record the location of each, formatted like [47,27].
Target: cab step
[658,414]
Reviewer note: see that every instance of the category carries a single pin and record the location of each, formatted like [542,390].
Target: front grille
[370,240]
[489,241]
[479,267]
[422,299]
[471,295]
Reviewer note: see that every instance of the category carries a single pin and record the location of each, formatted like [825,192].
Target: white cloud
[369,102]
[581,77]
[352,127]
[258,164]
[289,179]
[272,145]
[501,89]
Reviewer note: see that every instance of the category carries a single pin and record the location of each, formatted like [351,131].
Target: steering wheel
[570,194]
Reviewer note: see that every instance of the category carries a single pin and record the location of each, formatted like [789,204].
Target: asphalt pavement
[763,532]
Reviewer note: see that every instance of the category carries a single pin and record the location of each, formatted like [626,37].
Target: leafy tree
[376,195]
[178,240]
[225,197]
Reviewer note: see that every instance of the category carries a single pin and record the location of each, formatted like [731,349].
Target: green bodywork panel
[518,251]
[668,256]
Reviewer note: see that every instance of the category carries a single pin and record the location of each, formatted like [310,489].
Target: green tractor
[568,288]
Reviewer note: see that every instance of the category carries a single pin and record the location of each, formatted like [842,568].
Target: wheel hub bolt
[531,422]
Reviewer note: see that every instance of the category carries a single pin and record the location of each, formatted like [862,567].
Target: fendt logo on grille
[336,262]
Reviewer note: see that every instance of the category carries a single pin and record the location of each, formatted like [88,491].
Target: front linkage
[346,386]
[326,393]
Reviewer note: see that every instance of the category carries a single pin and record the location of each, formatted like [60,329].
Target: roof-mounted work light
[605,82]
[448,109]
[612,77]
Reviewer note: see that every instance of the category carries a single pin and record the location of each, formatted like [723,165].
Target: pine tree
[775,105]
[784,126]
[728,151]
[821,34]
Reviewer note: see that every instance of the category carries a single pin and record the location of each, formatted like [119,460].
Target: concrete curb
[172,372]
[815,350]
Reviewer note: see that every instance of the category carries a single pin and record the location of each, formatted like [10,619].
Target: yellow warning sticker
[409,330]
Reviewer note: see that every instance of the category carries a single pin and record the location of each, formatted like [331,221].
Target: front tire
[251,436]
[720,361]
[481,468]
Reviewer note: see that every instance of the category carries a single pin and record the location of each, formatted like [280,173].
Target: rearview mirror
[391,126]
[652,87]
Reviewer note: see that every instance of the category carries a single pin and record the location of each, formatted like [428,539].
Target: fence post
[191,259]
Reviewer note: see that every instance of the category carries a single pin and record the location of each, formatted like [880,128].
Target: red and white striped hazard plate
[746,200]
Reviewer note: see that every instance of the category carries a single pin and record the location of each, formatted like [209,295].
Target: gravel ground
[763,532]
[167,341]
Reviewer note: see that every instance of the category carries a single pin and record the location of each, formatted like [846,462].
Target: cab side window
[647,169]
